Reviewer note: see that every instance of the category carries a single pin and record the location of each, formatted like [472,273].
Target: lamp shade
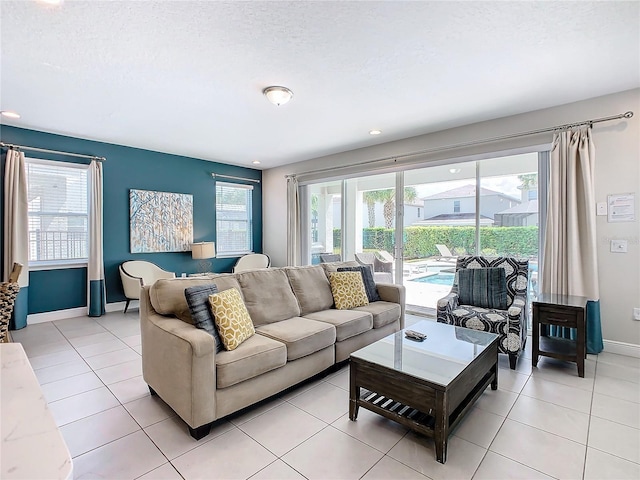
[203,250]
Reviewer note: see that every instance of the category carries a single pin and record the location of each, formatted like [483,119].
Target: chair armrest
[130,285]
[449,302]
[517,311]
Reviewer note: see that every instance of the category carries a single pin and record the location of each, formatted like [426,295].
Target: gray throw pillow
[367,279]
[198,301]
[483,287]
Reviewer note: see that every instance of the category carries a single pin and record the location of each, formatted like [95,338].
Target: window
[456,206]
[233,218]
[58,211]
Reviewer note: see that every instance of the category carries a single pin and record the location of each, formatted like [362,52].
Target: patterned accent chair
[510,324]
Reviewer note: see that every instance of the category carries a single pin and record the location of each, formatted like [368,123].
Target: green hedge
[420,242]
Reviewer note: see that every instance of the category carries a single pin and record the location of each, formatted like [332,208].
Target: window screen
[58,211]
[233,218]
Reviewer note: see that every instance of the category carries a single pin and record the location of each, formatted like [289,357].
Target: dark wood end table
[562,311]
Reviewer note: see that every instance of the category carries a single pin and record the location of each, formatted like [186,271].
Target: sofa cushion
[348,290]
[167,295]
[348,323]
[483,287]
[198,301]
[383,313]
[268,295]
[311,287]
[302,336]
[367,278]
[256,355]
[232,319]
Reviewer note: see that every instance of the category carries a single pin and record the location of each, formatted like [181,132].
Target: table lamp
[203,251]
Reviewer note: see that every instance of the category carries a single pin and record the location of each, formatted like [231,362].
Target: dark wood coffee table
[427,386]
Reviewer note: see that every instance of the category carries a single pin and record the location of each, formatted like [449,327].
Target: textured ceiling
[186,77]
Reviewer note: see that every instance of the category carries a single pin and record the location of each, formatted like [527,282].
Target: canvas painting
[160,221]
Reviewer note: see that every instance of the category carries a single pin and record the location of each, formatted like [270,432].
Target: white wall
[617,171]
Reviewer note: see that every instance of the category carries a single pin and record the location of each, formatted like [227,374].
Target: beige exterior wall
[617,171]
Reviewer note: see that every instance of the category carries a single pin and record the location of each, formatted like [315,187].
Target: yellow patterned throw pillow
[348,290]
[232,318]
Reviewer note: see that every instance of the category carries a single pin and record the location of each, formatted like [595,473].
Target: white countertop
[32,446]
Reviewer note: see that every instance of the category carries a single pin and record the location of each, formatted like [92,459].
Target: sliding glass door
[411,226]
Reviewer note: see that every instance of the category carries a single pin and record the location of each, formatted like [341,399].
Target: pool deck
[425,294]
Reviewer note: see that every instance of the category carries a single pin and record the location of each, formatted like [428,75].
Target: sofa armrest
[391,292]
[178,362]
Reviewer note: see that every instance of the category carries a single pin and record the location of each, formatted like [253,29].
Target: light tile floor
[541,423]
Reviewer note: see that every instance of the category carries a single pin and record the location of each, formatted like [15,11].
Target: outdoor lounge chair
[445,253]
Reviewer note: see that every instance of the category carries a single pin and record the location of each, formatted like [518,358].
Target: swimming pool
[440,278]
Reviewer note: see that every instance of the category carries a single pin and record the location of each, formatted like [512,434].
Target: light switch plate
[601,208]
[619,246]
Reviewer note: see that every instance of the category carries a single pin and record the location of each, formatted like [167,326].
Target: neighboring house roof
[454,219]
[528,207]
[467,191]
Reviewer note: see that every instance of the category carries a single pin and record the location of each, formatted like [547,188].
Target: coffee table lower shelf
[431,403]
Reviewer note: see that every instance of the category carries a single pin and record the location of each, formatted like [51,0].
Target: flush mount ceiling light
[278,95]
[9,114]
[51,2]
[256,162]
[454,170]
[375,132]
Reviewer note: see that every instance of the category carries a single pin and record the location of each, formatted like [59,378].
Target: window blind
[234,230]
[58,210]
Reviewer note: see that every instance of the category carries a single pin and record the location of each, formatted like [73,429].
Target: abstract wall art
[160,221]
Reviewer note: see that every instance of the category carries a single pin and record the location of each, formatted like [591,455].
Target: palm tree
[371,198]
[388,199]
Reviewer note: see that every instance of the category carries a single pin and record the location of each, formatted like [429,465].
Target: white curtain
[16,231]
[293,222]
[96,288]
[570,265]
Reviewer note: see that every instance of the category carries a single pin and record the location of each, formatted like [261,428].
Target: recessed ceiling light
[52,2]
[9,114]
[375,132]
[256,162]
[454,170]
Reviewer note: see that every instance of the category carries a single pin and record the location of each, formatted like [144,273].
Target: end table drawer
[558,317]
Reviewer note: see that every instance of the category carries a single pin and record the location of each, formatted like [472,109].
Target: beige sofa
[298,335]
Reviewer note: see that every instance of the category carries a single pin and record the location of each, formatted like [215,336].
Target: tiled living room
[541,423]
[108,106]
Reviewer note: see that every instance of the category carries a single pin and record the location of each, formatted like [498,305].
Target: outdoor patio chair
[382,269]
[445,253]
[475,297]
[329,257]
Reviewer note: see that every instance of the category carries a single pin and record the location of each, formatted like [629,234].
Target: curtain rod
[57,152]
[231,177]
[395,158]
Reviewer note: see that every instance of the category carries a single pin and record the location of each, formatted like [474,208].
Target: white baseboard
[621,348]
[74,312]
[56,315]
[119,306]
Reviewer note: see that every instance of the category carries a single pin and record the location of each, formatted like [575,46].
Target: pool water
[437,279]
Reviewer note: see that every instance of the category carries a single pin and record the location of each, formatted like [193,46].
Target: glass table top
[439,359]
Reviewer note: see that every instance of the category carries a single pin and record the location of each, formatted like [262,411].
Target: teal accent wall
[128,168]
